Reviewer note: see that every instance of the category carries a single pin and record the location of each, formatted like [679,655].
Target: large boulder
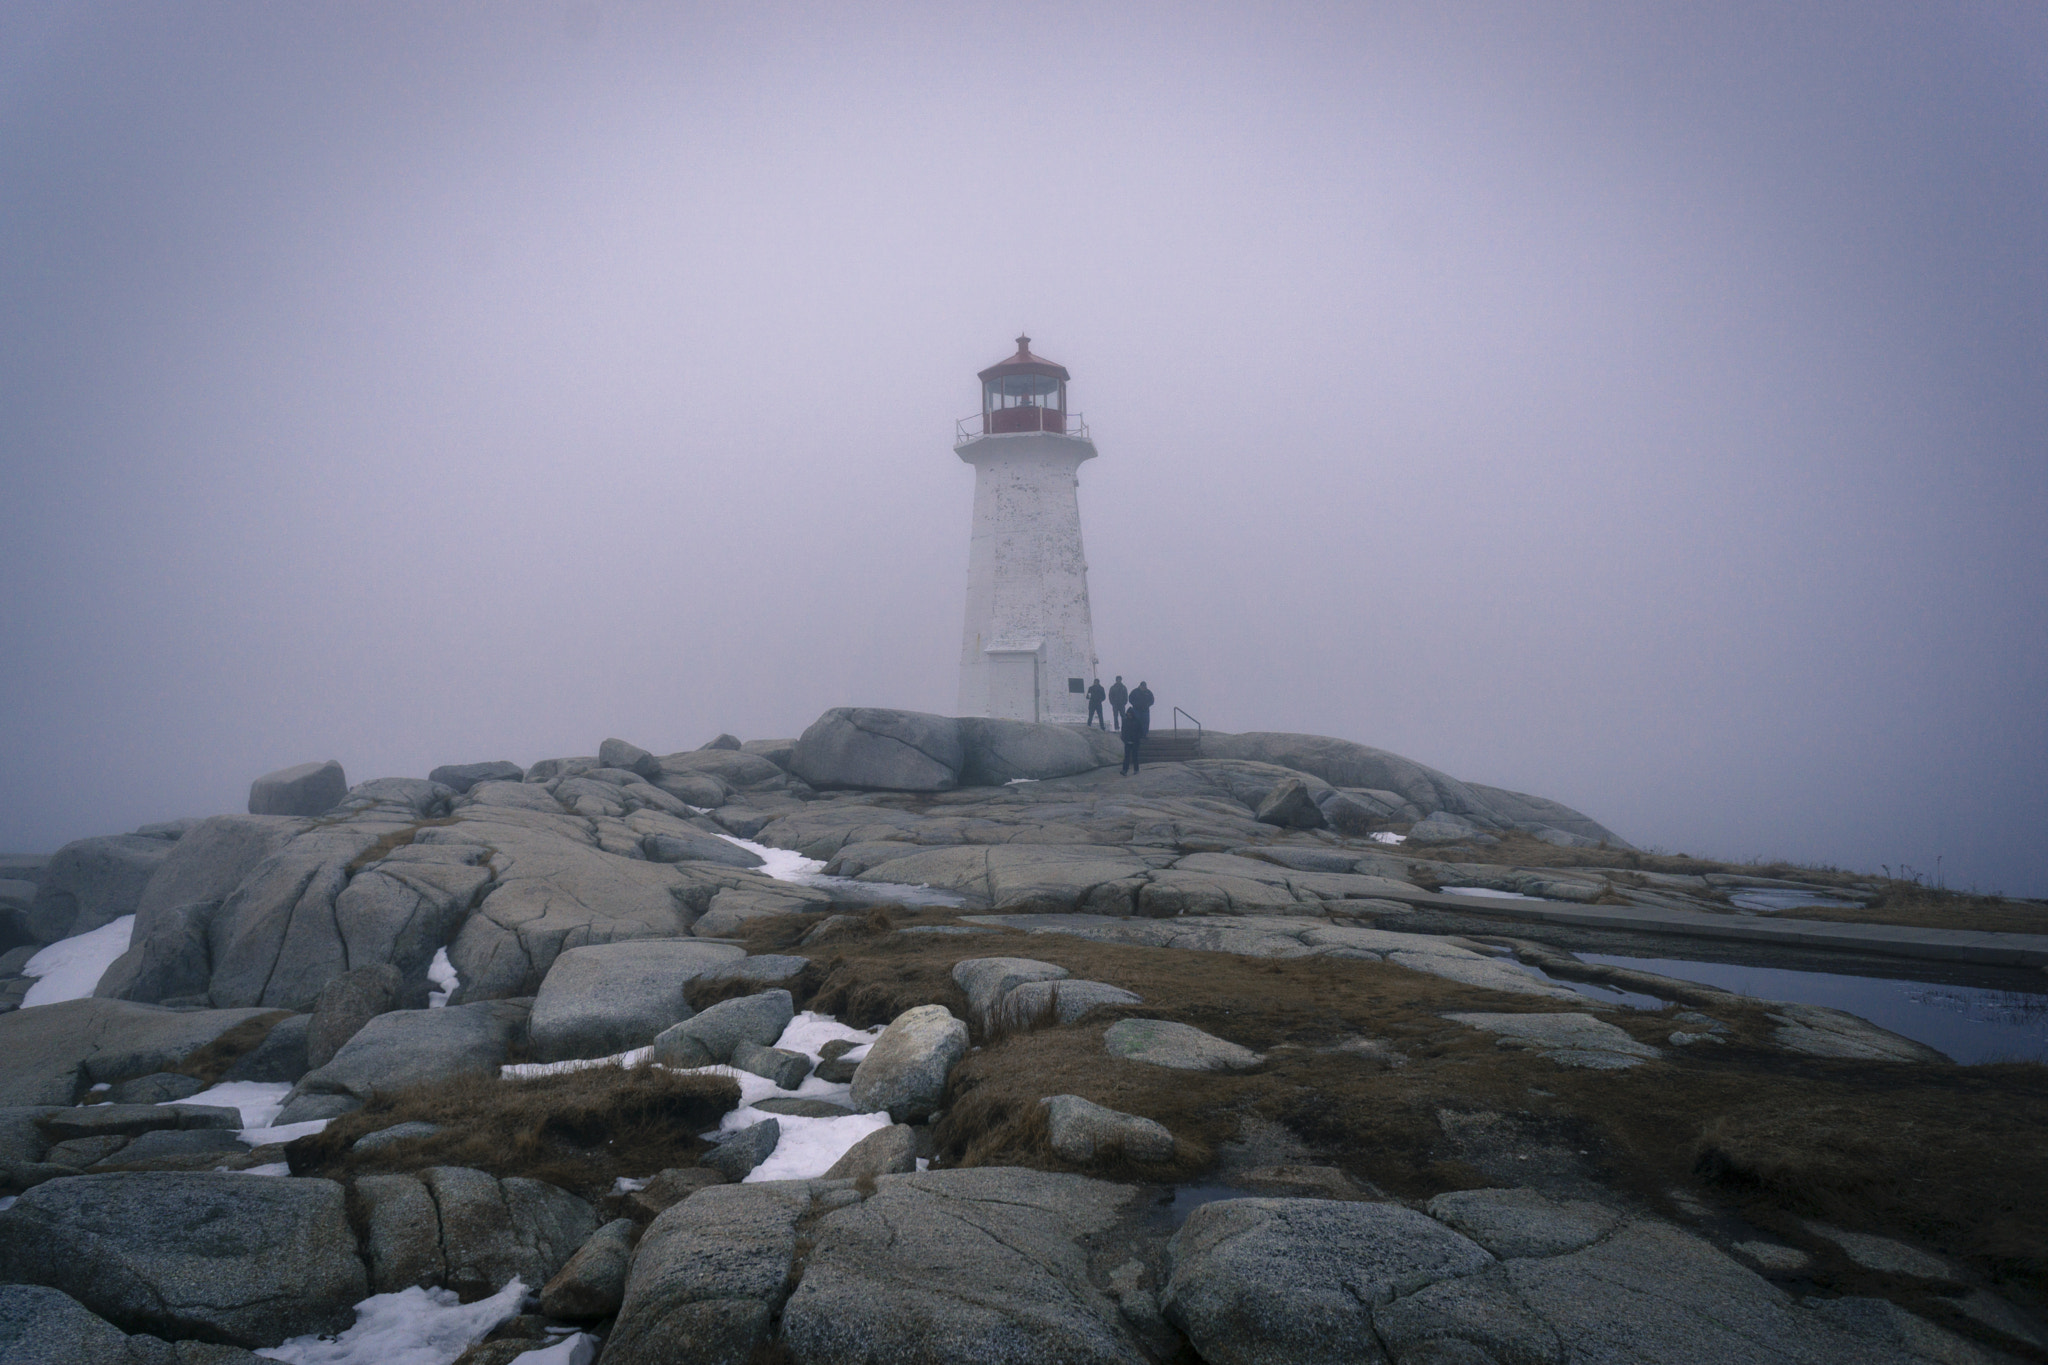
[49,1054]
[905,1070]
[1290,806]
[92,882]
[711,1038]
[872,749]
[709,1275]
[1081,1130]
[988,1265]
[211,859]
[608,997]
[170,964]
[986,980]
[209,1254]
[347,1003]
[732,770]
[1294,1281]
[995,752]
[592,1284]
[416,1047]
[307,789]
[466,1230]
[616,753]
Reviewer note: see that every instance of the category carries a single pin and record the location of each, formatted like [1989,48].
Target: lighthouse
[1027,651]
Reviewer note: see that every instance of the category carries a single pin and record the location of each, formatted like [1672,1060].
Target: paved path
[1932,945]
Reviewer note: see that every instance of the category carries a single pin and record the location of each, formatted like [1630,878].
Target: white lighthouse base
[1028,637]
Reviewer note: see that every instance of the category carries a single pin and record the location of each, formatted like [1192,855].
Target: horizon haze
[1643,409]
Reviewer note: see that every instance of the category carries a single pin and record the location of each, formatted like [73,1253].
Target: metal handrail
[1178,713]
[968,428]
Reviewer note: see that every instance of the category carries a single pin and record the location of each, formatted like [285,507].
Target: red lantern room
[1024,393]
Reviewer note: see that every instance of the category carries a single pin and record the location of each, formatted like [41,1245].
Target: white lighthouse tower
[1028,649]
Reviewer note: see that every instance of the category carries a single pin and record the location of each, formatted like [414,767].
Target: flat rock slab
[1524,1222]
[1160,1042]
[1294,1281]
[988,1265]
[230,1257]
[50,1053]
[1577,1040]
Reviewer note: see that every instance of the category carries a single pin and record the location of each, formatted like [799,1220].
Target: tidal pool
[1970,1024]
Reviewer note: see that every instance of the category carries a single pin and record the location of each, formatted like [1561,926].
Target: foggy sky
[1642,406]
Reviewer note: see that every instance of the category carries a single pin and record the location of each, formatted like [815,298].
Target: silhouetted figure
[1118,695]
[1134,735]
[1141,707]
[1095,696]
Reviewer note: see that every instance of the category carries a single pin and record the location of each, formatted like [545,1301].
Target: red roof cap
[1025,363]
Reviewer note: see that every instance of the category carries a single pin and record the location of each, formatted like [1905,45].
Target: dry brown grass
[579,1131]
[1949,1157]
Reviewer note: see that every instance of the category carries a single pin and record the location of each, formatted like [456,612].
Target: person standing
[1141,707]
[1134,736]
[1118,695]
[1095,696]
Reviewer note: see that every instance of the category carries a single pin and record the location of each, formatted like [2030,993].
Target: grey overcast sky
[1639,405]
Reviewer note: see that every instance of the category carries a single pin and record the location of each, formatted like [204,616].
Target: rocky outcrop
[50,1054]
[200,1254]
[712,1036]
[465,1230]
[416,1047]
[308,789]
[91,882]
[861,746]
[709,1275]
[606,998]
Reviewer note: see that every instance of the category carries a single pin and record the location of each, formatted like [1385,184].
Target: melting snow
[259,1102]
[808,1147]
[412,1327]
[442,973]
[69,968]
[783,864]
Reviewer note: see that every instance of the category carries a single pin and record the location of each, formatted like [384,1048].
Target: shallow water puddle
[1969,1024]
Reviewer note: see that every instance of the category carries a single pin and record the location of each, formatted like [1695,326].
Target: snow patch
[627,1184]
[442,973]
[7,1201]
[271,1168]
[807,1147]
[69,968]
[1491,894]
[411,1327]
[577,1349]
[1387,836]
[783,864]
[258,1101]
[289,1132]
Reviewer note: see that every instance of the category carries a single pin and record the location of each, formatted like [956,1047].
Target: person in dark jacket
[1134,736]
[1141,707]
[1095,696]
[1118,695]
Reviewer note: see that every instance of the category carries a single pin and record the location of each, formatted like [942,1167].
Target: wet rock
[1523,1222]
[1296,1280]
[988,1265]
[308,789]
[744,1150]
[610,997]
[1577,1040]
[709,1037]
[1083,1131]
[1160,1042]
[905,1070]
[592,1284]
[180,1254]
[886,1151]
